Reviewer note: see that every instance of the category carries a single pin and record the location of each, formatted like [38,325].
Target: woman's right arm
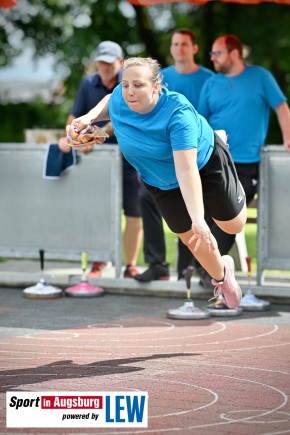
[99,113]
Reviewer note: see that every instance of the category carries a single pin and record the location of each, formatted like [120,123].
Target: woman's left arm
[190,185]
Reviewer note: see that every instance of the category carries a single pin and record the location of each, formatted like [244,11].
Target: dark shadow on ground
[67,369]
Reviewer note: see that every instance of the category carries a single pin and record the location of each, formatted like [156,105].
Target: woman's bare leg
[212,262]
[220,268]
[234,226]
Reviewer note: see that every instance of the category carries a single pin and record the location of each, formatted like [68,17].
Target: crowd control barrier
[79,211]
[273,241]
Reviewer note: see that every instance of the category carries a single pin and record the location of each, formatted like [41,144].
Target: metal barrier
[80,211]
[43,135]
[273,241]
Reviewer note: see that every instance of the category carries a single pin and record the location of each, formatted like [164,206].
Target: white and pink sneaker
[228,287]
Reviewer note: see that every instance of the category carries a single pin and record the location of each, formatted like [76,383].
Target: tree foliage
[71,31]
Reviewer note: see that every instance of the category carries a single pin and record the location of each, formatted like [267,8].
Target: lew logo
[125,409]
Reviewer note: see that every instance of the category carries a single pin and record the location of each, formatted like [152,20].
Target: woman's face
[139,92]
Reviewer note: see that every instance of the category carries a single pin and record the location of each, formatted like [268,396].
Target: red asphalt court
[214,376]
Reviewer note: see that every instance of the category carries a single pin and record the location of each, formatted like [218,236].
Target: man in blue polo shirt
[238,100]
[94,88]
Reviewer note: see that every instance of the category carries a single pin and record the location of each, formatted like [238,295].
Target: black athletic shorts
[223,195]
[131,187]
[248,174]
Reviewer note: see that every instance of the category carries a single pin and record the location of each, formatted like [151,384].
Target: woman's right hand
[80,123]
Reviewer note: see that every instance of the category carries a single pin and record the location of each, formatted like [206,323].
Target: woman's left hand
[202,234]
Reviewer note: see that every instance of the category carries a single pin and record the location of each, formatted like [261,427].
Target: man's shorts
[131,187]
[223,195]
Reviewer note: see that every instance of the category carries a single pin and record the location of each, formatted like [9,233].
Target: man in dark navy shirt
[94,88]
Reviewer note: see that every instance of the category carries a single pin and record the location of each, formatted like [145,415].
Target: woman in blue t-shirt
[182,161]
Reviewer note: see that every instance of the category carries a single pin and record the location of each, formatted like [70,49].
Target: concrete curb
[22,274]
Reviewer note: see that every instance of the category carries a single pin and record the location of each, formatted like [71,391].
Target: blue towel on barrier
[57,162]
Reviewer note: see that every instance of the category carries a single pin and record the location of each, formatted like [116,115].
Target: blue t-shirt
[90,92]
[186,84]
[241,105]
[148,140]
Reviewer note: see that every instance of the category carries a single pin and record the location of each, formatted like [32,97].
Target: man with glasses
[238,99]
